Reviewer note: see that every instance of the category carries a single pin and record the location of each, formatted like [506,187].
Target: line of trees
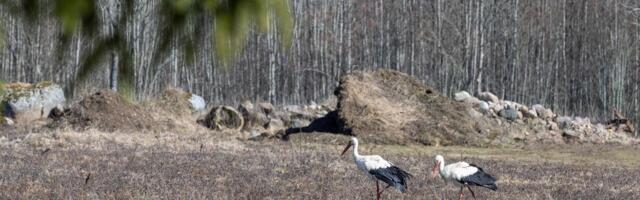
[577,57]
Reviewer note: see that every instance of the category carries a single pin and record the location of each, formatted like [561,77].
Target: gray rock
[564,122]
[571,136]
[520,116]
[488,96]
[483,107]
[266,107]
[538,108]
[523,108]
[461,96]
[547,114]
[530,114]
[497,107]
[582,120]
[518,106]
[32,102]
[553,126]
[510,103]
[299,123]
[197,103]
[509,113]
[254,116]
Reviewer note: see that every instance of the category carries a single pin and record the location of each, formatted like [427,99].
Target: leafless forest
[577,57]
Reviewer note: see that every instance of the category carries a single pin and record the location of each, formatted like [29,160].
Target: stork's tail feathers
[481,179]
[393,176]
[492,186]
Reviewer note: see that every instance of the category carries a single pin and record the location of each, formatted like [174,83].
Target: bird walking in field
[379,169]
[463,174]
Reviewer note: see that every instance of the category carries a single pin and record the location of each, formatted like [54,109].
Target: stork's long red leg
[472,194]
[461,190]
[377,190]
[384,189]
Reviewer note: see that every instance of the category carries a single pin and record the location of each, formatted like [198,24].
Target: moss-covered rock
[26,102]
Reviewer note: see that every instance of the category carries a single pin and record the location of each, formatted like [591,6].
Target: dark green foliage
[76,13]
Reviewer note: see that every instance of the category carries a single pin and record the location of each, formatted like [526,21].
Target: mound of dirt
[388,106]
[108,111]
[175,101]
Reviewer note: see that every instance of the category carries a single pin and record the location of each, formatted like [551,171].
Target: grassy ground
[206,165]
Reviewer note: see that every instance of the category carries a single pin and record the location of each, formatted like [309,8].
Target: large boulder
[24,102]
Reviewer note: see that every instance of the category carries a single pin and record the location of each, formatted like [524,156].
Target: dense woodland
[579,57]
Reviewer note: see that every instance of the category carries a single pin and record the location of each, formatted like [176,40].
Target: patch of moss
[42,84]
[16,94]
[18,90]
[18,86]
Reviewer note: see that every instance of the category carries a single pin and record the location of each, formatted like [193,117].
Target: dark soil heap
[108,111]
[390,107]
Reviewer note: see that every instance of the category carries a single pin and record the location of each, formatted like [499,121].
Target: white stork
[463,174]
[379,169]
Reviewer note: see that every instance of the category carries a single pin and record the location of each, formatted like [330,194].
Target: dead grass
[390,107]
[213,165]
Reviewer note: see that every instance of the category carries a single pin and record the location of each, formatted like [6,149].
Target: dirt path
[237,169]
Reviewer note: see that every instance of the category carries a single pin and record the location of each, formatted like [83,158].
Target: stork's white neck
[355,149]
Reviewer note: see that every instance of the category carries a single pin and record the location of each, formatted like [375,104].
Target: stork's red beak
[434,170]
[346,148]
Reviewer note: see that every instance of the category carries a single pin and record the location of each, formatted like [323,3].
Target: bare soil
[108,111]
[214,165]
